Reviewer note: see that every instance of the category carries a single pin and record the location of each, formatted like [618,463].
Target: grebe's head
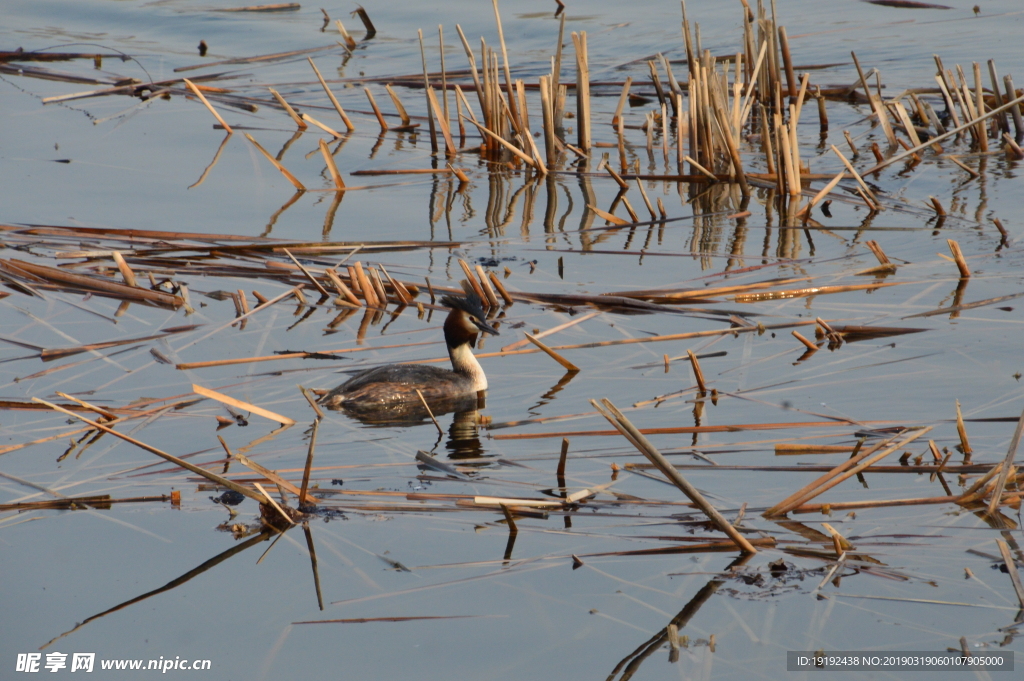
[465,320]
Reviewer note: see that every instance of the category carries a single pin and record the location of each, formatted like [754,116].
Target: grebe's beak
[484,326]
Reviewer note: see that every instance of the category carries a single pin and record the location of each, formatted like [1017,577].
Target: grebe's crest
[473,308]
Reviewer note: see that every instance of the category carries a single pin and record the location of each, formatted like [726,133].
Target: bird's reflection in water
[463,434]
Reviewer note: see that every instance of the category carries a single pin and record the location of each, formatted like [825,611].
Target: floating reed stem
[847,469]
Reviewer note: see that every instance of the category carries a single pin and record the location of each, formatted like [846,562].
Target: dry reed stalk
[860,180]
[195,90]
[126,271]
[213,477]
[312,402]
[846,465]
[1002,230]
[93,284]
[962,431]
[306,272]
[426,86]
[629,209]
[977,490]
[908,125]
[876,104]
[471,278]
[807,343]
[1011,143]
[823,193]
[615,176]
[604,215]
[849,141]
[848,469]
[1018,122]
[619,420]
[914,157]
[1005,467]
[378,286]
[277,164]
[548,122]
[376,111]
[400,292]
[430,413]
[274,504]
[948,133]
[880,255]
[365,288]
[485,284]
[332,168]
[980,107]
[813,291]
[583,139]
[647,201]
[243,302]
[1011,568]
[569,366]
[304,498]
[701,169]
[330,131]
[288,109]
[961,264]
[239,404]
[501,288]
[472,67]
[511,147]
[787,61]
[270,475]
[505,62]
[856,505]
[782,449]
[330,95]
[697,373]
[403,114]
[349,40]
[449,145]
[560,471]
[839,542]
[971,171]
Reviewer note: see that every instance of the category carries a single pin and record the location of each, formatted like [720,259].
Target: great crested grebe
[392,388]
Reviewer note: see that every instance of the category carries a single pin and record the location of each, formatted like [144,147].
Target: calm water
[526,614]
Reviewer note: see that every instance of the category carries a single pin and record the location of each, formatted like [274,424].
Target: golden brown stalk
[330,95]
[569,366]
[288,109]
[961,264]
[197,93]
[697,373]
